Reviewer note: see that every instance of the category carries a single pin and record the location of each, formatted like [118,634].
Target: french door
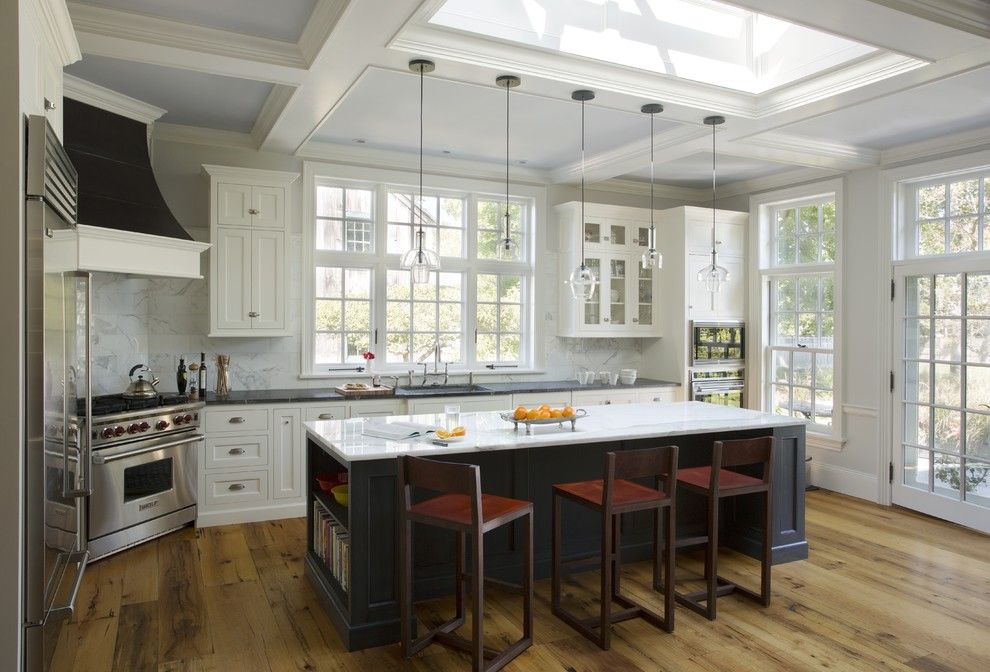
[942,393]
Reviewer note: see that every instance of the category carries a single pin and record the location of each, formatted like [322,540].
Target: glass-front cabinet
[624,303]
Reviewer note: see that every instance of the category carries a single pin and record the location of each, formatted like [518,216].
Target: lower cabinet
[288,467]
[556,399]
[502,402]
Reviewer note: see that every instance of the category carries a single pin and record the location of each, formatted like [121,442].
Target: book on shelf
[331,543]
[397,431]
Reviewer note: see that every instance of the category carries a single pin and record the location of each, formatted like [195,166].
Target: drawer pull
[235,451]
[236,420]
[235,486]
[253,211]
[254,313]
[326,416]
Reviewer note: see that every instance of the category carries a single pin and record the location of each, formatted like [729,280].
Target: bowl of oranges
[544,414]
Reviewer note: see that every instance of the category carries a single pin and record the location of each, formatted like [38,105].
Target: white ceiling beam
[870,23]
[966,141]
[971,16]
[801,151]
[145,39]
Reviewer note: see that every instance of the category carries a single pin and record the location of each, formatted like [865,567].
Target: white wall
[158,320]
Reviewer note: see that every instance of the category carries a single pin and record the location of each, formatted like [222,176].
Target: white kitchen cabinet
[375,408]
[325,412]
[289,464]
[605,397]
[473,404]
[650,395]
[625,304]
[249,215]
[238,451]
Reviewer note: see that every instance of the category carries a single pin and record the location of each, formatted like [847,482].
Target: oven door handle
[104,459]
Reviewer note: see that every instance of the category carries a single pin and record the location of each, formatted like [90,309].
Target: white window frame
[906,226]
[762,248]
[381,180]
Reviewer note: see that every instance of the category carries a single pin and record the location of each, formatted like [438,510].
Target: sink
[441,389]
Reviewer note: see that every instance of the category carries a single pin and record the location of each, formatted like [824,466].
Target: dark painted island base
[352,555]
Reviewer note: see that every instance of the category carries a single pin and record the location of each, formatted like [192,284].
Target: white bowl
[627,380]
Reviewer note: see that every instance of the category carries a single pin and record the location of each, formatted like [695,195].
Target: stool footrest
[461,644]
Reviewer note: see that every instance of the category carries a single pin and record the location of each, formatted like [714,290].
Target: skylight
[701,40]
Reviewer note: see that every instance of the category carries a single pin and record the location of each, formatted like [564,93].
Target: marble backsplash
[154,321]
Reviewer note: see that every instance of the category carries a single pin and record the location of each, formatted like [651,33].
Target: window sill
[822,441]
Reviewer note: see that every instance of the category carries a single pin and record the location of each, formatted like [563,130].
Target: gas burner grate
[109,404]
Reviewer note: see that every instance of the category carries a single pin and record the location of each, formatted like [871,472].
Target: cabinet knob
[254,313]
[285,421]
[235,486]
[605,319]
[235,451]
[635,319]
[253,211]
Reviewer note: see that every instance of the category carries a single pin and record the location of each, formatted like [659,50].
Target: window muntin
[491,226]
[418,317]
[950,216]
[801,312]
[499,324]
[345,219]
[443,222]
[342,314]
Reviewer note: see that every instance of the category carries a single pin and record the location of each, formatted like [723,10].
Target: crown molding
[110,100]
[147,39]
[195,135]
[56,23]
[972,16]
[267,177]
[320,26]
[435,165]
[271,110]
[809,152]
[966,141]
[635,187]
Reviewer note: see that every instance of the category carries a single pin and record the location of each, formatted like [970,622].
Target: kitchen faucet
[436,365]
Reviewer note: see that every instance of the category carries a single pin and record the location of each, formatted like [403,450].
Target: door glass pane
[919,296]
[977,476]
[948,384]
[978,292]
[916,381]
[978,435]
[916,468]
[948,340]
[592,232]
[978,341]
[618,235]
[978,387]
[917,422]
[948,294]
[948,425]
[617,291]
[947,474]
[917,339]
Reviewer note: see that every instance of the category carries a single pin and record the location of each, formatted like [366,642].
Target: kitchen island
[352,550]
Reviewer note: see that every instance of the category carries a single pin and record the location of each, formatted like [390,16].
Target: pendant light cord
[653,236]
[714,240]
[582,185]
[420,236]
[507,87]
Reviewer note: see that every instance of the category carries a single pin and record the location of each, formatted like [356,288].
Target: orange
[556,412]
[520,413]
[458,431]
[443,434]
[544,414]
[544,407]
[533,414]
[567,412]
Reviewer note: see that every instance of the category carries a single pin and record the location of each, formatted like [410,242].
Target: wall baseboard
[845,481]
[254,514]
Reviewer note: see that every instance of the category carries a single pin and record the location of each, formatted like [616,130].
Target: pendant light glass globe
[651,259]
[713,276]
[583,283]
[420,261]
[507,250]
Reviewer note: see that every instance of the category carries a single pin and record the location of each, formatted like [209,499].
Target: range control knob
[161,424]
[178,420]
[144,427]
[107,433]
[134,428]
[119,430]
[188,419]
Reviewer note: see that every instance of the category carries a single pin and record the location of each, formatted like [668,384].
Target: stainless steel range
[144,456]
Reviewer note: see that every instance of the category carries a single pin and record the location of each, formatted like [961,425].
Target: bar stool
[465,509]
[611,497]
[717,482]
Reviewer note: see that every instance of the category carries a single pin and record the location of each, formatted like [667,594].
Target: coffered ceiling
[312,77]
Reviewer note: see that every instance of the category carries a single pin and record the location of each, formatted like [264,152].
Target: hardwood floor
[884,589]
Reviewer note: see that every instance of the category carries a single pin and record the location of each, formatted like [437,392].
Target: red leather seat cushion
[701,477]
[624,492]
[457,508]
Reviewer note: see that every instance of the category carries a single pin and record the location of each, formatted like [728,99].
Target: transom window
[950,216]
[800,310]
[476,312]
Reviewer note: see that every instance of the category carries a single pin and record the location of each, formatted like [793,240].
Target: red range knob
[107,433]
[177,420]
[134,429]
[188,419]
[161,424]
[119,430]
[144,427]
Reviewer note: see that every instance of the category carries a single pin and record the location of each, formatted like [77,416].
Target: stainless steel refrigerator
[57,397]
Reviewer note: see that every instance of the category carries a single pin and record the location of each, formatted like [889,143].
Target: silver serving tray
[529,424]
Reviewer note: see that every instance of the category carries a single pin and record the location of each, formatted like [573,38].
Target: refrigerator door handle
[85,464]
[81,559]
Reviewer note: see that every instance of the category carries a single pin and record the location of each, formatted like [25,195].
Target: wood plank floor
[884,589]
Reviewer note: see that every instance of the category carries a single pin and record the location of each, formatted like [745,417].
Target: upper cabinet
[625,304]
[249,212]
[47,44]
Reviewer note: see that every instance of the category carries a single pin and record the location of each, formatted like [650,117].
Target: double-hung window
[476,312]
[949,216]
[798,271]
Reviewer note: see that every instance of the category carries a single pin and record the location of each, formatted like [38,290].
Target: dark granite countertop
[482,389]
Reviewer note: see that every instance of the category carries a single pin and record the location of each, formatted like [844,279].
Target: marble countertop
[489,389]
[486,431]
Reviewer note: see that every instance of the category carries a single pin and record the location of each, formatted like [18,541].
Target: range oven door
[137,482]
[724,391]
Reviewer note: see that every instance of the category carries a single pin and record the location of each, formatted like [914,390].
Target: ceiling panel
[469,121]
[952,105]
[274,19]
[696,170]
[191,98]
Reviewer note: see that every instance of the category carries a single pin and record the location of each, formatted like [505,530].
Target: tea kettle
[141,388]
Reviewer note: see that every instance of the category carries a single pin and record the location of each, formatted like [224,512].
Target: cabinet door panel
[268,204]
[233,300]
[288,463]
[233,204]
[328,412]
[268,279]
[700,302]
[731,301]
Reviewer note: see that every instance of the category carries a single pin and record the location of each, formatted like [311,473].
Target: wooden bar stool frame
[731,453]
[620,468]
[462,481]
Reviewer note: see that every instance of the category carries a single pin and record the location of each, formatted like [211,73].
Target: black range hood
[117,188]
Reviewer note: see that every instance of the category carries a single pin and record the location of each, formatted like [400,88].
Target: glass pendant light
[651,256]
[713,276]
[420,261]
[583,281]
[507,249]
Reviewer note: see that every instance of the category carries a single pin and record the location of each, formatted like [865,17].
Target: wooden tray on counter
[380,391]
